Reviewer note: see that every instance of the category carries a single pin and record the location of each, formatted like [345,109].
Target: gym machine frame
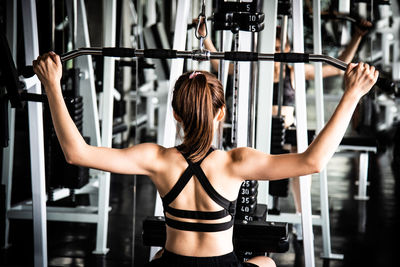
[204,55]
[98,212]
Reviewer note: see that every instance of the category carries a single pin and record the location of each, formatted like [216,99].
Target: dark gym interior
[363,215]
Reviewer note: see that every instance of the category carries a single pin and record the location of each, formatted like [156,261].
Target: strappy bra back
[229,207]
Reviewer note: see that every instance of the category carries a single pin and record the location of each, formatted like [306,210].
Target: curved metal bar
[207,55]
[80,52]
[329,60]
[195,55]
[27,71]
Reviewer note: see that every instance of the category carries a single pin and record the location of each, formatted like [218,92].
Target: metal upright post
[90,124]
[36,139]
[109,28]
[302,142]
[284,27]
[319,104]
[74,22]
[228,37]
[8,152]
[235,91]
[244,92]
[252,94]
[265,89]
[240,128]
[7,169]
[140,23]
[176,70]
[363,174]
[151,12]
[225,44]
[192,41]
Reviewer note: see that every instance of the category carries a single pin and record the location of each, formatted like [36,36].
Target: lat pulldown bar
[385,84]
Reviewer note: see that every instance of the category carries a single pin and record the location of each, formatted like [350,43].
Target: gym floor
[369,242]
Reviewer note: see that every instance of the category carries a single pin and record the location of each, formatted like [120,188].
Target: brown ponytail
[196,100]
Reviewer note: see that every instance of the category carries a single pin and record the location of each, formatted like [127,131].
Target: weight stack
[278,188]
[76,176]
[59,173]
[247,200]
[246,211]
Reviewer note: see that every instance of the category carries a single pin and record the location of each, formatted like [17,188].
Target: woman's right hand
[359,78]
[48,69]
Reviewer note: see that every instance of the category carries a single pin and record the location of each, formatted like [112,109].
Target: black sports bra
[229,207]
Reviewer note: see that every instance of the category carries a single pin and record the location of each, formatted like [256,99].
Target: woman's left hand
[48,68]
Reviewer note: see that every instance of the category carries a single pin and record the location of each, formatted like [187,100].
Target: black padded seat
[367,141]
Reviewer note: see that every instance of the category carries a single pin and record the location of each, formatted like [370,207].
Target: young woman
[200,185]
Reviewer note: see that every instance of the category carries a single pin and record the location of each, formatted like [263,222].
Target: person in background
[288,103]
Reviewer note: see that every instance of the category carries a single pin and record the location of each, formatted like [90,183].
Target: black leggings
[172,260]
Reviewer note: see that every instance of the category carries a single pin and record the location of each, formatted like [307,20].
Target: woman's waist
[183,260]
[199,244]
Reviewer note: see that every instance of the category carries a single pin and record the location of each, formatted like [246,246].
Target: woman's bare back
[194,197]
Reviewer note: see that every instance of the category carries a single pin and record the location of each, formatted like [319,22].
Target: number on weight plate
[245,191]
[252,28]
[245,200]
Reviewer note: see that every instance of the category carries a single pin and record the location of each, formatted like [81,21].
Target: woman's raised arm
[140,159]
[252,164]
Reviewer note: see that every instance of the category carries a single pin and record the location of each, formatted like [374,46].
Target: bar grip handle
[159,53]
[118,52]
[292,57]
[241,56]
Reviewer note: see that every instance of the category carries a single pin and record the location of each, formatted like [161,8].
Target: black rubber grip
[27,71]
[159,53]
[291,57]
[118,52]
[241,56]
[386,85]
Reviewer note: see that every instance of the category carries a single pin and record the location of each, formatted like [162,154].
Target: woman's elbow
[71,158]
[315,165]
[74,156]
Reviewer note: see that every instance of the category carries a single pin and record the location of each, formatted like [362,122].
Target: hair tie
[194,74]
